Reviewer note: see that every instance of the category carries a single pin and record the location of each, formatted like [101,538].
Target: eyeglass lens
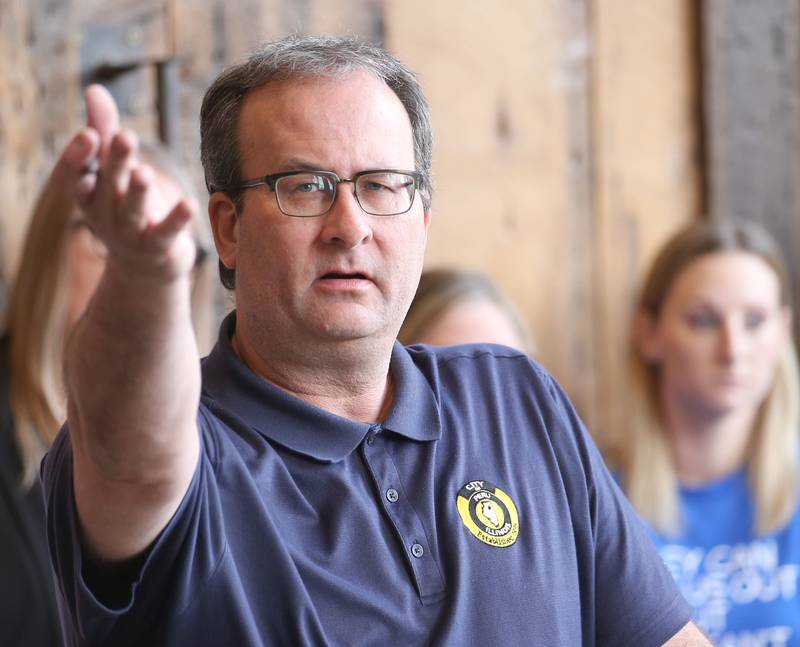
[312,194]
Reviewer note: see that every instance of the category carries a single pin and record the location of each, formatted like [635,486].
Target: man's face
[344,275]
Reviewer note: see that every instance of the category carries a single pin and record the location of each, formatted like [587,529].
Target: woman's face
[470,321]
[719,335]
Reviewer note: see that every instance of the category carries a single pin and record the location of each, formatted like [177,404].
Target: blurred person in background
[61,264]
[454,306]
[710,455]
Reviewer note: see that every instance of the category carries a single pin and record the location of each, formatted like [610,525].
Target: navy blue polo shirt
[478,513]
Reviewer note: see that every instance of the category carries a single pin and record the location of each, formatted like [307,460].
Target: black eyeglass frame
[272,179]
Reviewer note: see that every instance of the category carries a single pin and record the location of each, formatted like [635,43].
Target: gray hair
[298,57]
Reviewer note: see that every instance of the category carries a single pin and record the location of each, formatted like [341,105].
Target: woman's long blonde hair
[36,316]
[642,452]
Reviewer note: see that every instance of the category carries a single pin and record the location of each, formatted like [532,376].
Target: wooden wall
[646,152]
[752,109]
[571,136]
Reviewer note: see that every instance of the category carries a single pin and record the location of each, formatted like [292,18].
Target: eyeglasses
[306,194]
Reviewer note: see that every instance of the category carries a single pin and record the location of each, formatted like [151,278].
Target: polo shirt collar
[415,411]
[304,428]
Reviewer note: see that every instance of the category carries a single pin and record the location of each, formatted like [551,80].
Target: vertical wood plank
[647,178]
[752,71]
[508,85]
[38,106]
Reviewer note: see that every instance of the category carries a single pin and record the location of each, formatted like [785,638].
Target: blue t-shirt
[478,513]
[743,586]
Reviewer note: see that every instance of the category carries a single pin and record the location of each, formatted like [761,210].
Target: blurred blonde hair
[38,305]
[440,289]
[642,452]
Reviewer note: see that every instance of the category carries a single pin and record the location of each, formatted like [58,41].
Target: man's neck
[347,384]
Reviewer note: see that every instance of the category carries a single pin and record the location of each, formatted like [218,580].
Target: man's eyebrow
[299,164]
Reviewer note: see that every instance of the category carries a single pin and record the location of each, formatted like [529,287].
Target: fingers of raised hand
[93,143]
[104,204]
[175,222]
[135,203]
[169,243]
[68,177]
[116,168]
[144,231]
[101,114]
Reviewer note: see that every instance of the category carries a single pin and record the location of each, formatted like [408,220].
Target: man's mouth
[345,275]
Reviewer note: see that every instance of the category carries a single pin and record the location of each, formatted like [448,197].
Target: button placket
[374,430]
[404,519]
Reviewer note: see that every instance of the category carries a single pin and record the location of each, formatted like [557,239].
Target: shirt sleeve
[635,600]
[176,567]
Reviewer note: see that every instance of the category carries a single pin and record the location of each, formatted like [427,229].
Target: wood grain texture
[647,179]
[38,106]
[565,133]
[508,85]
[752,92]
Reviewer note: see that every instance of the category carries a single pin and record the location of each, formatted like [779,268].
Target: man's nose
[346,223]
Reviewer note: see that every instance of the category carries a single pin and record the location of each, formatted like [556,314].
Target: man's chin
[345,332]
[358,336]
[352,322]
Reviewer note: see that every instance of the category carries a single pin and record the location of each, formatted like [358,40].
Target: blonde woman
[453,306]
[710,457]
[61,264]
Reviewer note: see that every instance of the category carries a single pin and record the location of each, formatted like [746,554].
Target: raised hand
[125,208]
[121,199]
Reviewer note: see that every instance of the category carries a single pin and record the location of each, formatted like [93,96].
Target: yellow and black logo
[488,513]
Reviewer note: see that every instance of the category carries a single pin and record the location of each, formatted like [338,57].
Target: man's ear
[225,227]
[646,337]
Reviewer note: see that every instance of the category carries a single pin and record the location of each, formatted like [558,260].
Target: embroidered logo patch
[488,513]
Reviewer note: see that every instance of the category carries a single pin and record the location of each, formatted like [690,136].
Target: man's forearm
[133,377]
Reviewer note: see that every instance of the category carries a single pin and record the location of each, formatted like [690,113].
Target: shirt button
[392,495]
[370,439]
[417,550]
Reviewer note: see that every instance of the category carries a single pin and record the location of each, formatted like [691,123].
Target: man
[328,486]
